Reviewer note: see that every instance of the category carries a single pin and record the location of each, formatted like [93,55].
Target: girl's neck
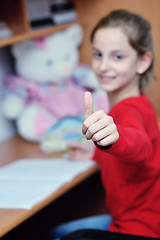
[121,94]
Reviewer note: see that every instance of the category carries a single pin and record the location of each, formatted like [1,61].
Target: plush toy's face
[52,61]
[50,64]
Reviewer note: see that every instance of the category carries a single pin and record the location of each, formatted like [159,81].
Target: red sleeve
[134,143]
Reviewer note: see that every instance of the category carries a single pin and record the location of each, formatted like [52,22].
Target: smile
[106,79]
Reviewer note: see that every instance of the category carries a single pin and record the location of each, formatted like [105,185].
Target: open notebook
[26,182]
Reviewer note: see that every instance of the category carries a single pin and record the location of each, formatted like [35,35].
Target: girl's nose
[104,65]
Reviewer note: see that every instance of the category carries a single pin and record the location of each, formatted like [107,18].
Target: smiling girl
[127,140]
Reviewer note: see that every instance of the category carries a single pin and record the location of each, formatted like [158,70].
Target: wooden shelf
[15,14]
[34,34]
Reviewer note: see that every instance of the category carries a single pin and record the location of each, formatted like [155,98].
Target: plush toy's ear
[75,32]
[19,48]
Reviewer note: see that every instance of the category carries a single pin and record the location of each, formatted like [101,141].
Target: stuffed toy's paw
[12,106]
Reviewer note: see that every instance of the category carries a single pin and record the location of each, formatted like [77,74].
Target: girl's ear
[144,62]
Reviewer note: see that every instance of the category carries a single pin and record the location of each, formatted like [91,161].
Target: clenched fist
[98,126]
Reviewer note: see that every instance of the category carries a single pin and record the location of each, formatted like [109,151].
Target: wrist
[103,147]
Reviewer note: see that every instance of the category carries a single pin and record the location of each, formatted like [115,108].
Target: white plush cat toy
[49,83]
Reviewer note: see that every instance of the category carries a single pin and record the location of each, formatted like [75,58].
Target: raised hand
[98,126]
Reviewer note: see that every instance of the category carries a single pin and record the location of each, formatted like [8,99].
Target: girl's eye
[118,57]
[97,54]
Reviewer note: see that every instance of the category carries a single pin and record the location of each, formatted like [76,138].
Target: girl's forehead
[111,37]
[113,33]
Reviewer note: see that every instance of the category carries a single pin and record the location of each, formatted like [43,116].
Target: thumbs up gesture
[98,126]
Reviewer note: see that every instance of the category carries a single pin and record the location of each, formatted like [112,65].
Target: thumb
[88,104]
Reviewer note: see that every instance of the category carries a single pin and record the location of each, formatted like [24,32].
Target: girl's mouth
[106,79]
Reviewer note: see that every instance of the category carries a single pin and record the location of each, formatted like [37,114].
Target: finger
[108,140]
[88,104]
[98,124]
[103,131]
[94,123]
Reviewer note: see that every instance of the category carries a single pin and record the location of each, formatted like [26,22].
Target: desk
[14,149]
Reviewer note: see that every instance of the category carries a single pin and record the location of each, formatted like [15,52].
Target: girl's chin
[107,88]
[105,84]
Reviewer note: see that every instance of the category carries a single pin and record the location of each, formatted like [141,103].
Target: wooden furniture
[17,148]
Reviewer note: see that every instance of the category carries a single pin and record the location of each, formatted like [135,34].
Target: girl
[127,140]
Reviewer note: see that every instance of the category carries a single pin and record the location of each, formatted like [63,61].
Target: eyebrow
[96,49]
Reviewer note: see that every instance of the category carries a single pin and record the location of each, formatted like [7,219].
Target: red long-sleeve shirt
[130,169]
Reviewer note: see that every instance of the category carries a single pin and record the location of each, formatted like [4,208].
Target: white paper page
[26,182]
[47,169]
[25,194]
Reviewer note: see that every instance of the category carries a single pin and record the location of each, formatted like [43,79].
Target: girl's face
[115,62]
